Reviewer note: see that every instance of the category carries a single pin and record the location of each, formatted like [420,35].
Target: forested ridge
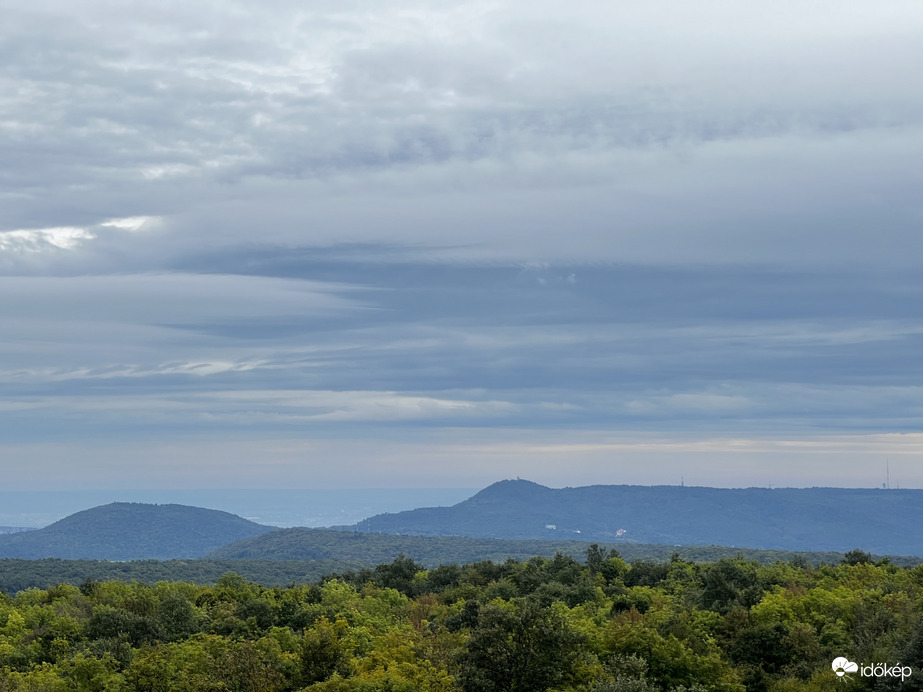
[515,519]
[303,555]
[357,547]
[18,575]
[831,519]
[599,624]
[131,531]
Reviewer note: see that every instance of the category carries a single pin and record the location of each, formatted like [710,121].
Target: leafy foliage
[539,625]
[17,575]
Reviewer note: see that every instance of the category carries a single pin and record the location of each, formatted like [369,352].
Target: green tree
[321,652]
[857,557]
[525,648]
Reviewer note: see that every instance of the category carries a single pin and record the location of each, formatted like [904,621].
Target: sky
[402,244]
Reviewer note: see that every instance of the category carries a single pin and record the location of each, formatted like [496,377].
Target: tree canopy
[540,625]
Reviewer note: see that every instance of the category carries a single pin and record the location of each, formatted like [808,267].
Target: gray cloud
[389,221]
[599,131]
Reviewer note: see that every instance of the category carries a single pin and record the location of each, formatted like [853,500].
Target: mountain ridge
[833,519]
[132,531]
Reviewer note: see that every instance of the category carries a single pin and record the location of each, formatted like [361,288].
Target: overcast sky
[438,244]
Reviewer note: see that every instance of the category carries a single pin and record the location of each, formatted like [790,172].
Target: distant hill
[799,519]
[340,553]
[131,531]
[369,549]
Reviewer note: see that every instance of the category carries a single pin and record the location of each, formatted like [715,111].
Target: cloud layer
[368,221]
[784,132]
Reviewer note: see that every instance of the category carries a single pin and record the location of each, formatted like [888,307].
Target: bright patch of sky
[405,243]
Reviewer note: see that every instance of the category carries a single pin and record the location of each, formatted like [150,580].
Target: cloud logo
[842,665]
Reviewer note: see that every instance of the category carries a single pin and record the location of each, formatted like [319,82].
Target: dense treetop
[600,624]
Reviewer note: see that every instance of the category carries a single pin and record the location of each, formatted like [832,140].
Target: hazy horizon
[281,507]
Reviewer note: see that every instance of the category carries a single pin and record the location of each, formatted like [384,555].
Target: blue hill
[131,531]
[830,519]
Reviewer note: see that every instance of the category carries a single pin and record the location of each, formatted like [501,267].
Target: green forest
[598,624]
